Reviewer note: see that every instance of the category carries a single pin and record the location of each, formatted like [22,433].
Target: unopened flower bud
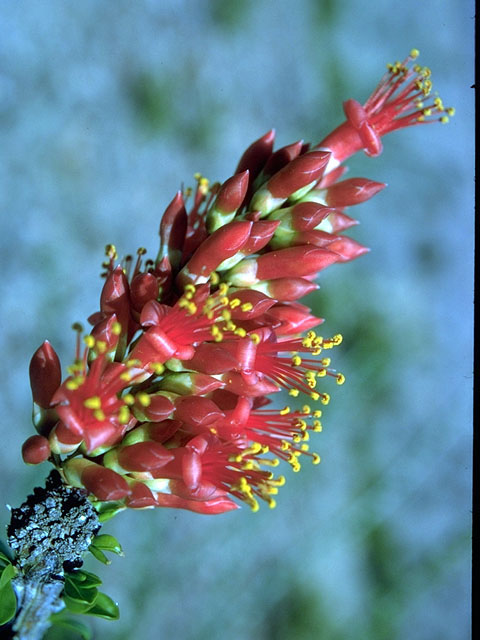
[45,374]
[35,450]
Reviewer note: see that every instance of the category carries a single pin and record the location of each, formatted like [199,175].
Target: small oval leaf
[104,607]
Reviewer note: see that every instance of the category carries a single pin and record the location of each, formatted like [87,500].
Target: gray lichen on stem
[49,533]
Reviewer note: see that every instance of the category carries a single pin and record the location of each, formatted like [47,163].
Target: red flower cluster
[165,404]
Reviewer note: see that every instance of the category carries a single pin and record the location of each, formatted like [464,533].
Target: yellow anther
[133,362]
[141,251]
[444,119]
[222,288]
[325,362]
[427,112]
[101,346]
[305,436]
[317,413]
[116,328]
[312,383]
[72,385]
[197,176]
[293,392]
[126,376]
[284,411]
[89,341]
[255,338]
[240,332]
[143,399]
[296,361]
[93,403]
[226,315]
[111,251]
[325,398]
[304,448]
[129,399]
[271,503]
[99,415]
[414,53]
[214,278]
[190,288]
[316,458]
[123,414]
[306,410]
[246,306]
[296,438]
[285,445]
[317,426]
[321,373]
[340,378]
[314,395]
[450,111]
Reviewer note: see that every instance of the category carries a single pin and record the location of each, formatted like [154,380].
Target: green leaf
[7,574]
[107,510]
[8,600]
[76,606]
[106,542]
[73,625]
[104,607]
[4,560]
[79,593]
[99,555]
[83,578]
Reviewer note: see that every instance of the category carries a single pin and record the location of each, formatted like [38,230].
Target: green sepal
[58,619]
[8,600]
[107,510]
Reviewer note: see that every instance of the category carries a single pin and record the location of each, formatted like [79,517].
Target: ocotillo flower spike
[165,404]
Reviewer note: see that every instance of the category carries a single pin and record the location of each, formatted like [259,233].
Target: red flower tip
[352,191]
[35,450]
[299,173]
[45,374]
[104,483]
[257,154]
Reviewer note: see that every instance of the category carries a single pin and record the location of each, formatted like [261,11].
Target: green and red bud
[278,160]
[229,199]
[256,155]
[286,289]
[62,440]
[190,382]
[45,374]
[173,228]
[221,245]
[293,181]
[104,483]
[352,191]
[144,456]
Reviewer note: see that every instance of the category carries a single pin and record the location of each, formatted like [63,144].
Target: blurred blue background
[106,108]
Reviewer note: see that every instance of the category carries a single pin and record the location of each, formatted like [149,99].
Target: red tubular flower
[397,102]
[164,407]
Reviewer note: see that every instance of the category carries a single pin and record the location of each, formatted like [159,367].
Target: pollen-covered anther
[340,378]
[93,403]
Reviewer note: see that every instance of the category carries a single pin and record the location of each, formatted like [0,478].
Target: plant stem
[49,533]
